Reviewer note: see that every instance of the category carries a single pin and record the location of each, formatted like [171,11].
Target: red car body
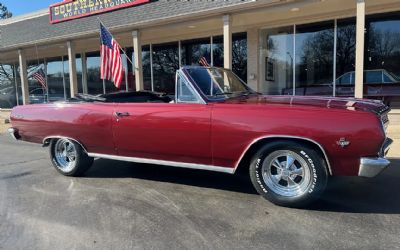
[214,136]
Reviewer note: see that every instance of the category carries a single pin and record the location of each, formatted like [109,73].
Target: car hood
[366,105]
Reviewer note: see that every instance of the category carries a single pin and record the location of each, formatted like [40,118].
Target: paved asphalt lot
[121,205]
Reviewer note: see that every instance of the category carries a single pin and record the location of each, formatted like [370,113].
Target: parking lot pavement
[121,205]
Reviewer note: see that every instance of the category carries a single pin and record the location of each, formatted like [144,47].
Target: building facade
[292,47]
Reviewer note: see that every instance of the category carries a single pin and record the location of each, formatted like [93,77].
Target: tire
[297,186]
[69,158]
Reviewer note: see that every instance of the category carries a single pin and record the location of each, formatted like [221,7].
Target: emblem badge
[343,142]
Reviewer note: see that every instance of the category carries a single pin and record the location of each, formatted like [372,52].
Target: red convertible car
[290,146]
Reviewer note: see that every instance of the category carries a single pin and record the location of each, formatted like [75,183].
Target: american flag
[111,61]
[203,62]
[40,77]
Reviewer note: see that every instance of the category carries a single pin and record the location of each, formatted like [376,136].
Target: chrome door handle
[121,114]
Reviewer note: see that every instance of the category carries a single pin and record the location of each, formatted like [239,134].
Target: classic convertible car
[289,145]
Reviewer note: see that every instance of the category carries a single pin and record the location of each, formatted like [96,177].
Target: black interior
[127,97]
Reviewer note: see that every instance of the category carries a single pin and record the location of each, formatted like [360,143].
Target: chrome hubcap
[65,155]
[286,173]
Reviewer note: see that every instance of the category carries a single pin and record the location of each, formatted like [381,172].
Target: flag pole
[126,55]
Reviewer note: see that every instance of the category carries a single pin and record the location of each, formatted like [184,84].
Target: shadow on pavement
[114,169]
[344,194]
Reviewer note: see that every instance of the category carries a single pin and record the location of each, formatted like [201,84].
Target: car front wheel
[69,158]
[288,173]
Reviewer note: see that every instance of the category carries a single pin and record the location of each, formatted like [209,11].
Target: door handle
[121,114]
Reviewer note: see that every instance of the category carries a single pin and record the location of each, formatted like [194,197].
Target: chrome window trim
[285,137]
[163,162]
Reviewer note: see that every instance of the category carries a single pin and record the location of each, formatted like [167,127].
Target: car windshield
[217,83]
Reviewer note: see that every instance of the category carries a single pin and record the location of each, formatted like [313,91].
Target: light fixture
[294,9]
[191,26]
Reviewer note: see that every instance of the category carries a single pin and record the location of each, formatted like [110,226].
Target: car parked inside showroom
[289,145]
[378,84]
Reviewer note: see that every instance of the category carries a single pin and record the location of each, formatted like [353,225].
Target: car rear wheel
[69,158]
[289,174]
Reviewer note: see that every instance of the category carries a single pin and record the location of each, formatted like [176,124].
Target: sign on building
[72,9]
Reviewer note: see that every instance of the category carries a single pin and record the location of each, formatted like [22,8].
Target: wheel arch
[244,161]
[47,140]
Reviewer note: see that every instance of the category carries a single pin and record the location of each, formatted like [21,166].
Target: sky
[19,7]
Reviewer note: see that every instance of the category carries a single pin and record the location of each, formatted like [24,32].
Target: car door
[178,132]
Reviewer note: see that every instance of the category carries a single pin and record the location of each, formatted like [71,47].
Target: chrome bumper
[13,133]
[372,166]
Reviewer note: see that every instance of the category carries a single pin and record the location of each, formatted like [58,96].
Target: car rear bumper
[13,133]
[372,166]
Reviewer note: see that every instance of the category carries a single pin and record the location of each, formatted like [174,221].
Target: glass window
[217,83]
[94,83]
[185,92]
[373,76]
[276,61]
[344,79]
[314,58]
[239,55]
[78,72]
[346,47]
[383,43]
[8,86]
[165,65]
[56,79]
[146,62]
[194,50]
[34,85]
[218,51]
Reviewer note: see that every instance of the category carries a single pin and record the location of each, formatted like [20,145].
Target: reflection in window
[9,94]
[194,50]
[276,61]
[383,43]
[79,72]
[314,57]
[165,65]
[239,55]
[37,91]
[94,82]
[146,62]
[57,86]
[346,51]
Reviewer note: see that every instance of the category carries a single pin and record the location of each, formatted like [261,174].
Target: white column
[227,41]
[360,37]
[24,77]
[253,58]
[73,79]
[137,50]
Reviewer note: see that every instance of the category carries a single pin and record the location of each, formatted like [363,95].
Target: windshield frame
[206,98]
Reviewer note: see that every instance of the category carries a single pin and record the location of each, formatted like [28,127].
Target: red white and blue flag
[39,76]
[203,62]
[112,68]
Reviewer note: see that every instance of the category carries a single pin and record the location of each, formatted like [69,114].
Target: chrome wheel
[65,154]
[286,173]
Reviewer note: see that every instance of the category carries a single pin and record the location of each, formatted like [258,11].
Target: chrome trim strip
[285,137]
[371,167]
[166,163]
[44,144]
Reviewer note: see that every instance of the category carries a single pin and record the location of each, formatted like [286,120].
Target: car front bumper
[372,166]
